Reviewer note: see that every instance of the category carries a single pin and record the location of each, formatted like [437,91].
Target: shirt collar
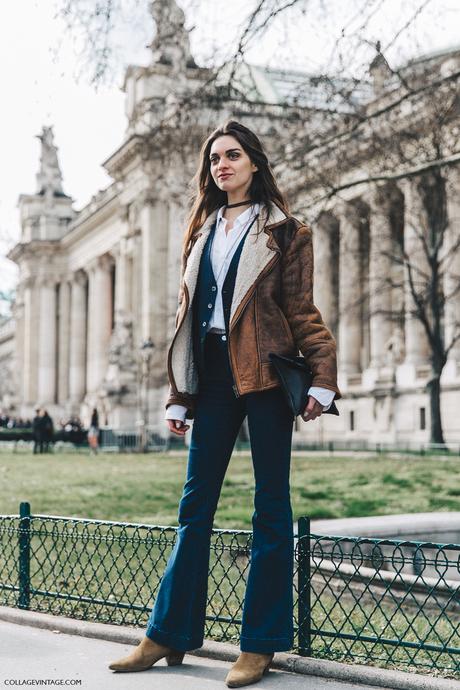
[242,218]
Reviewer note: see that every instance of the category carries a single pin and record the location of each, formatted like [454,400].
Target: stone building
[96,284]
[8,393]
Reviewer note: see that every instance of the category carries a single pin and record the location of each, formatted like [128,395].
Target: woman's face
[231,168]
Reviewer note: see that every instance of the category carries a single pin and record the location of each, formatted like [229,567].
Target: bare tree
[338,138]
[406,151]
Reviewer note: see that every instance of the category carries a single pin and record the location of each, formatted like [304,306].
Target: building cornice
[35,248]
[92,215]
[124,155]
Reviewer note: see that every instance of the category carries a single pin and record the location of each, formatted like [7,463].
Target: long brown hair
[208,197]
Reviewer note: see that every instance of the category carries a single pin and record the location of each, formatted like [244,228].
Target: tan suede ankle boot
[145,655]
[248,668]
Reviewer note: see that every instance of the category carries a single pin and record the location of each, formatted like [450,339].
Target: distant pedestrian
[93,432]
[48,431]
[37,431]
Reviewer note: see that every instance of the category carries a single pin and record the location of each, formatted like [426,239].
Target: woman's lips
[224,176]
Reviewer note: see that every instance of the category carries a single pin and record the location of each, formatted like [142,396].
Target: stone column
[18,366]
[47,360]
[123,281]
[31,326]
[104,312]
[415,225]
[78,327]
[64,341]
[91,321]
[134,246]
[380,269]
[26,367]
[350,295]
[154,257]
[99,320]
[452,264]
[324,294]
[154,227]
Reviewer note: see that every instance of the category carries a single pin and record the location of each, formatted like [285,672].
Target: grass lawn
[147,488]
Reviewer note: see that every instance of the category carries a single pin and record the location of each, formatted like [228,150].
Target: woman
[93,432]
[246,291]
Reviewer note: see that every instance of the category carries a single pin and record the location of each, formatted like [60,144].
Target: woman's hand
[177,427]
[313,409]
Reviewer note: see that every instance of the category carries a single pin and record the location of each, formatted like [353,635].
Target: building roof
[319,92]
[291,87]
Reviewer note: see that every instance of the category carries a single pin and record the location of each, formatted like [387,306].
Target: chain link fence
[391,602]
[386,602]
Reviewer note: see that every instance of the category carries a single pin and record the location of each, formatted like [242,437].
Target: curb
[223,651]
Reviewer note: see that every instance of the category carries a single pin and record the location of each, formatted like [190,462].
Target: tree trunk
[434,389]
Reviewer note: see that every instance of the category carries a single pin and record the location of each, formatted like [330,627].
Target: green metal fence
[388,602]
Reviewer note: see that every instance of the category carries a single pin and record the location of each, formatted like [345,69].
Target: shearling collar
[271,218]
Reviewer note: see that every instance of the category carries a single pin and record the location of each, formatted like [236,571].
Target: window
[352,420]
[422,418]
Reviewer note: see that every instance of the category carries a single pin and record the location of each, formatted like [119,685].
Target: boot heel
[267,667]
[175,658]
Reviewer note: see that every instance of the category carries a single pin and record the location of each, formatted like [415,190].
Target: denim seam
[263,639]
[171,634]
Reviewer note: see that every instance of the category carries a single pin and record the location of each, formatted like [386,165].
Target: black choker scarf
[240,203]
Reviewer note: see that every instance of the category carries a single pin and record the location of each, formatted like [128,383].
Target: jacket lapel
[193,262]
[258,251]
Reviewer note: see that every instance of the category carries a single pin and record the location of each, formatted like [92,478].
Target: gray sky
[42,85]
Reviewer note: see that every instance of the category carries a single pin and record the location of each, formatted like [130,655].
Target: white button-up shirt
[223,248]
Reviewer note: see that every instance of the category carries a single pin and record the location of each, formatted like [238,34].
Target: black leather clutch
[296,378]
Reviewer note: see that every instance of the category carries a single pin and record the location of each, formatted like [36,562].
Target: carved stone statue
[121,375]
[49,177]
[395,349]
[380,71]
[171,45]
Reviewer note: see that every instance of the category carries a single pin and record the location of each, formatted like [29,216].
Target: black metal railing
[389,602]
[123,441]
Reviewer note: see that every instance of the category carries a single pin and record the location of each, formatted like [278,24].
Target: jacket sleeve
[311,335]
[182,399]
[176,412]
[177,398]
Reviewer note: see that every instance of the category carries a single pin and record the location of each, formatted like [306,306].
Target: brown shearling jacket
[272,311]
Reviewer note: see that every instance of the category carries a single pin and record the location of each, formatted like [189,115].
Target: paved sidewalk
[36,647]
[35,653]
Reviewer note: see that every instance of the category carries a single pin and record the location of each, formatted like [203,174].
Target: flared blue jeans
[177,618]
